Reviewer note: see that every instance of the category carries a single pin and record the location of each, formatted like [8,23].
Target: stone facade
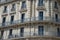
[28,29]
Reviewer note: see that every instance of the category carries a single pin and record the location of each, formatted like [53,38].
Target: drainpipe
[50,9]
[34,15]
[30,15]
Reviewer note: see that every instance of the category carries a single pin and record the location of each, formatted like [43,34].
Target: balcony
[23,10]
[13,11]
[28,35]
[33,19]
[42,7]
[55,9]
[32,34]
[5,11]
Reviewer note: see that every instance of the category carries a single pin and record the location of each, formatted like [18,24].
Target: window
[56,6]
[5,9]
[40,2]
[2,33]
[3,21]
[22,17]
[10,33]
[40,15]
[13,7]
[23,4]
[40,30]
[12,19]
[22,31]
[56,17]
[58,32]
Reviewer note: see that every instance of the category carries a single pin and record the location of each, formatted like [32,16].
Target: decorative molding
[55,10]
[4,14]
[23,10]
[41,8]
[12,13]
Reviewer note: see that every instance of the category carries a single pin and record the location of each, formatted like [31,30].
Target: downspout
[50,9]
[30,15]
[34,15]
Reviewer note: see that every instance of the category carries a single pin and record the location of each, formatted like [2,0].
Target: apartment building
[29,19]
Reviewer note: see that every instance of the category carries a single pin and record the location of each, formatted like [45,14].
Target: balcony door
[40,2]
[40,30]
[3,21]
[12,19]
[23,4]
[56,17]
[58,32]
[40,16]
[22,17]
[2,32]
[22,32]
[10,33]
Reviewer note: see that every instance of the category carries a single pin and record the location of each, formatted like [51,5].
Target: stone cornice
[7,2]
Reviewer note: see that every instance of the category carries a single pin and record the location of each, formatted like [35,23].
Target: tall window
[5,9]
[22,17]
[13,7]
[22,32]
[40,15]
[2,33]
[23,4]
[12,19]
[10,33]
[58,32]
[56,17]
[3,21]
[56,6]
[40,2]
[40,30]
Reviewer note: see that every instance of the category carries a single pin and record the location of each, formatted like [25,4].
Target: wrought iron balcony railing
[33,19]
[13,9]
[28,34]
[5,11]
[33,34]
